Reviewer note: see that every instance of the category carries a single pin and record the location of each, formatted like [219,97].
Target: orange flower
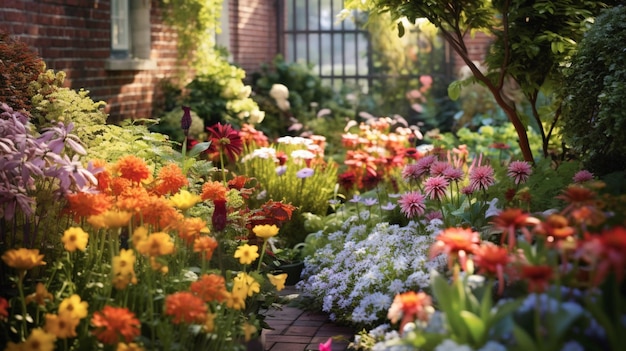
[205,245]
[456,243]
[555,227]
[132,199]
[576,196]
[538,277]
[509,221]
[129,347]
[119,185]
[157,244]
[159,213]
[40,295]
[104,176]
[110,219]
[210,287]
[140,234]
[410,306]
[191,228]
[212,190]
[491,260]
[62,326]
[158,265]
[114,322]
[185,307]
[170,179]
[86,204]
[133,168]
[607,252]
[23,259]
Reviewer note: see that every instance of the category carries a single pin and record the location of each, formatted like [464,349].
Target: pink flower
[582,176]
[437,168]
[412,204]
[327,346]
[419,168]
[481,178]
[435,187]
[519,171]
[453,174]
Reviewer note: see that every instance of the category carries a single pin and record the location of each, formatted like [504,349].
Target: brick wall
[253,28]
[477,47]
[74,36]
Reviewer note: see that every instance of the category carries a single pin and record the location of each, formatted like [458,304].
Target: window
[130,36]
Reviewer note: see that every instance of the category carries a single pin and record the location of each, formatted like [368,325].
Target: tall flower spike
[185,121]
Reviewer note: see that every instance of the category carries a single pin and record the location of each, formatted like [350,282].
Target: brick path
[298,330]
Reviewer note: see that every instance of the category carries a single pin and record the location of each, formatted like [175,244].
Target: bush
[19,66]
[594,114]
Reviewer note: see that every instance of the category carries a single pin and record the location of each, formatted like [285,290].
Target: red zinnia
[538,277]
[225,140]
[114,322]
[491,260]
[347,180]
[185,307]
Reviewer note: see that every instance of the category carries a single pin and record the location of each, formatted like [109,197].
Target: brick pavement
[296,330]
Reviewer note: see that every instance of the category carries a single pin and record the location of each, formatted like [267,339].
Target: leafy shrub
[594,114]
[19,66]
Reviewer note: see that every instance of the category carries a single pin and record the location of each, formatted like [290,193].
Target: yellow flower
[75,238]
[124,269]
[62,326]
[128,347]
[184,200]
[139,234]
[40,295]
[265,231]
[245,284]
[158,266]
[209,324]
[278,280]
[38,340]
[247,254]
[157,244]
[235,301]
[74,306]
[248,331]
[23,259]
[110,219]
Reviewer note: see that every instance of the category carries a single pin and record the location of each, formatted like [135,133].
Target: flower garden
[120,237]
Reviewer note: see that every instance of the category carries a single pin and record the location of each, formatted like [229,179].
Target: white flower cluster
[358,273]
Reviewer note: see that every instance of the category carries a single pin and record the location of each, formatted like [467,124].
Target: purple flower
[481,178]
[582,176]
[280,170]
[185,121]
[369,201]
[519,171]
[60,136]
[437,168]
[412,204]
[356,198]
[305,172]
[388,206]
[435,187]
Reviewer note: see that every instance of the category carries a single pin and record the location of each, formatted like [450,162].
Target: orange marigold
[133,199]
[210,287]
[213,190]
[159,213]
[114,322]
[87,204]
[205,245]
[190,228]
[118,185]
[185,307]
[133,168]
[103,176]
[170,179]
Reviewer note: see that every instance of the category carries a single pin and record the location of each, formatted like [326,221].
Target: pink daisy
[519,171]
[416,170]
[437,168]
[582,176]
[435,187]
[412,204]
[453,174]
[481,178]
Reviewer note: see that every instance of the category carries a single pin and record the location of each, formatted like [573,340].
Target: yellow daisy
[75,238]
[247,254]
[278,280]
[184,200]
[265,231]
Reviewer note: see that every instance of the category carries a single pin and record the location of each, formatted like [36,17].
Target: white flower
[279,92]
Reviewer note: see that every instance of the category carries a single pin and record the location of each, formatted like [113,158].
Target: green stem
[223,168]
[258,268]
[20,288]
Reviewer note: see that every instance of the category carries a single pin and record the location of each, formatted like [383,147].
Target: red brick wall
[477,47]
[253,26]
[74,36]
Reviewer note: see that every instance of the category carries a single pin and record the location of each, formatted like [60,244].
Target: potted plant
[288,260]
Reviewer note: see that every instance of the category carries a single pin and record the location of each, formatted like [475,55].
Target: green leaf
[400,29]
[454,90]
[199,148]
[523,339]
[475,325]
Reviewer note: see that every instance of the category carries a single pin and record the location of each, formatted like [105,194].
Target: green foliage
[595,118]
[19,66]
[169,124]
[219,95]
[52,103]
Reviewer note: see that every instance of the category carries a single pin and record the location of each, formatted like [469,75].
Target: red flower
[509,221]
[185,307]
[4,308]
[225,140]
[555,227]
[607,251]
[210,287]
[347,180]
[410,306]
[456,243]
[538,277]
[491,260]
[219,217]
[114,322]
